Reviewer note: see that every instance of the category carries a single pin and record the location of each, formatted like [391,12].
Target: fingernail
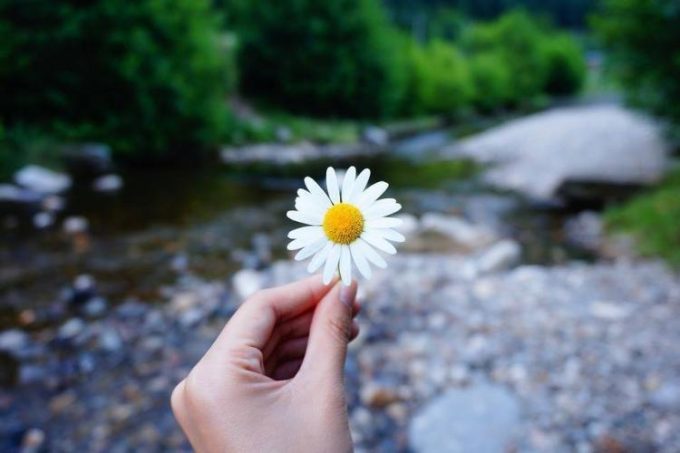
[347,294]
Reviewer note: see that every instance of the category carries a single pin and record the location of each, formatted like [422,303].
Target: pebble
[108,183]
[15,342]
[247,282]
[75,225]
[376,394]
[42,180]
[71,328]
[42,220]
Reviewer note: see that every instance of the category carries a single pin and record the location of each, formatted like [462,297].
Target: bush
[438,79]
[329,58]
[145,76]
[643,37]
[565,65]
[516,39]
[492,81]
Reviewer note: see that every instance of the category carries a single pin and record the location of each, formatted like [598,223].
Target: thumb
[329,335]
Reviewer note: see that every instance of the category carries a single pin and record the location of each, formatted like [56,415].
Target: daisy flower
[344,225]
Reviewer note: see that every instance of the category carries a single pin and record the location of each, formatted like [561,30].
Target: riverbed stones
[108,183]
[482,418]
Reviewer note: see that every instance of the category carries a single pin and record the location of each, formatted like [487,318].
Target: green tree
[565,65]
[146,76]
[643,37]
[331,58]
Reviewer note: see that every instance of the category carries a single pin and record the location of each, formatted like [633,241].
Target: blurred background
[149,150]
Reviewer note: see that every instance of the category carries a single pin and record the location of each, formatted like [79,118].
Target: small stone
[667,396]
[33,440]
[53,203]
[71,328]
[409,224]
[95,307]
[374,135]
[462,232]
[500,256]
[283,134]
[247,282]
[376,394]
[107,183]
[608,310]
[75,225]
[14,341]
[42,220]
[83,289]
[61,402]
[10,193]
[110,340]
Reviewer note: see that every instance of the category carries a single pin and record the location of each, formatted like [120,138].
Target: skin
[273,380]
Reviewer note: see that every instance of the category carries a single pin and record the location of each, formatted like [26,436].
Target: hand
[273,380]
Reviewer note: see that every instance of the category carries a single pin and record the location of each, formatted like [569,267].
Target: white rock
[13,341]
[246,282]
[461,231]
[409,224]
[75,225]
[107,183]
[43,220]
[42,180]
[498,257]
[608,310]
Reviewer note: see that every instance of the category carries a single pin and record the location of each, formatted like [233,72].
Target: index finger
[254,321]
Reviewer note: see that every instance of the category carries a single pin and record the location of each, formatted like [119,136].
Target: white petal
[360,260]
[378,242]
[303,231]
[306,239]
[359,185]
[311,249]
[371,194]
[370,254]
[304,217]
[310,207]
[382,208]
[390,235]
[332,185]
[319,258]
[348,183]
[331,265]
[318,193]
[345,265]
[383,222]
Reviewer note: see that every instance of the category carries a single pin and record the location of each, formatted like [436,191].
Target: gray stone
[500,256]
[71,328]
[538,154]
[9,193]
[481,419]
[14,341]
[42,180]
[374,135]
[42,220]
[246,282]
[75,225]
[462,232]
[108,183]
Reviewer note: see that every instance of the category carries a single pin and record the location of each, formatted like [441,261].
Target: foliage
[516,38]
[330,58]
[654,219]
[438,79]
[300,128]
[565,67]
[21,144]
[144,76]
[644,39]
[492,81]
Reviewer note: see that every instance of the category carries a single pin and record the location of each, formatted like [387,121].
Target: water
[213,221]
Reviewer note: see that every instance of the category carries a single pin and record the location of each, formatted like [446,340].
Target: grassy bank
[653,218]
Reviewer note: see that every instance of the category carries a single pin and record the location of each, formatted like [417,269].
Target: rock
[33,440]
[53,203]
[71,328]
[500,256]
[107,183]
[608,310]
[585,230]
[95,307]
[482,418]
[75,225]
[42,180]
[110,340]
[9,193]
[88,159]
[667,396]
[597,144]
[376,394]
[465,234]
[15,342]
[246,282]
[83,289]
[374,135]
[409,224]
[42,220]
[283,134]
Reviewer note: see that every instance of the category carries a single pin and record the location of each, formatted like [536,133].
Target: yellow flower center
[343,223]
